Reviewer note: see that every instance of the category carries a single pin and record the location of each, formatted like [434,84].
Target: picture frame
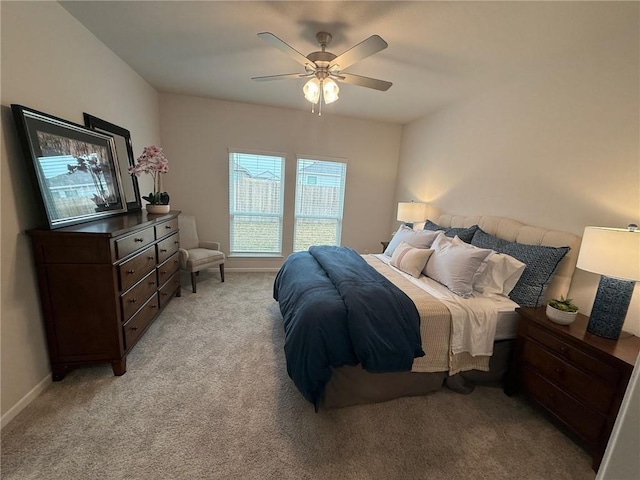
[124,151]
[74,169]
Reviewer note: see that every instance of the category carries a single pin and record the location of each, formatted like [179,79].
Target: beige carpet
[206,396]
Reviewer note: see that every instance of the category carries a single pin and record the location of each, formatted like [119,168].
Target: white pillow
[409,259]
[454,264]
[416,238]
[501,275]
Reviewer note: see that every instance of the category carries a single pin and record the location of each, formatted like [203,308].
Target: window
[319,203]
[256,190]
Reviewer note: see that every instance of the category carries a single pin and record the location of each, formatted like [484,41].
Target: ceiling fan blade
[367,47]
[282,77]
[274,41]
[363,81]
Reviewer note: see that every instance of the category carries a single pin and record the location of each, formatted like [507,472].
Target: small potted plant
[154,162]
[562,310]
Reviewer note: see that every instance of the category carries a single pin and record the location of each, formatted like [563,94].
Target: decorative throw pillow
[500,275]
[483,239]
[541,263]
[416,238]
[454,264]
[465,234]
[409,259]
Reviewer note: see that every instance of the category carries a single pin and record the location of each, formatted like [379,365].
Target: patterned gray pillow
[541,263]
[464,234]
[482,239]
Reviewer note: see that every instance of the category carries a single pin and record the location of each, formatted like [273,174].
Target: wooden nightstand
[577,377]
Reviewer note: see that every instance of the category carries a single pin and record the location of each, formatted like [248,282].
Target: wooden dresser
[102,283]
[579,378]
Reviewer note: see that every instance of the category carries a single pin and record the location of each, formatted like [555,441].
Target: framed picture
[74,169]
[124,151]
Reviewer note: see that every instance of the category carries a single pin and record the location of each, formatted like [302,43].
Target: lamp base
[610,307]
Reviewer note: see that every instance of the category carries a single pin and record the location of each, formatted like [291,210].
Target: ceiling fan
[323,67]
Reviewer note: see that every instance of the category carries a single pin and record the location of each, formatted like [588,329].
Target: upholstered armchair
[196,255]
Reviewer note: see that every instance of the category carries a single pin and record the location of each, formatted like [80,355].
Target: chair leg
[193,281]
[222,271]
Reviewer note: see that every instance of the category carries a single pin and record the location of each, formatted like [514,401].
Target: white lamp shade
[330,91]
[614,252]
[411,212]
[311,90]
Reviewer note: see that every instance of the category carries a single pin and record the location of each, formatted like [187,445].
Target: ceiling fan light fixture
[330,91]
[311,90]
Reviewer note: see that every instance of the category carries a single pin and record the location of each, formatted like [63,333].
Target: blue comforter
[338,310]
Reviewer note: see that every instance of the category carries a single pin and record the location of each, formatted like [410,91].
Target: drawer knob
[163,250]
[131,272]
[176,242]
[151,257]
[168,226]
[153,306]
[164,294]
[163,272]
[563,349]
[152,283]
[132,300]
[134,328]
[138,239]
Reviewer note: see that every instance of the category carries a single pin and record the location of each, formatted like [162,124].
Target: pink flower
[151,161]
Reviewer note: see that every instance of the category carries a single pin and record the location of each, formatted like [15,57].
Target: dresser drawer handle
[138,239]
[163,250]
[564,350]
[152,283]
[134,329]
[164,294]
[559,370]
[176,242]
[132,300]
[175,261]
[153,306]
[151,257]
[131,272]
[163,272]
[168,226]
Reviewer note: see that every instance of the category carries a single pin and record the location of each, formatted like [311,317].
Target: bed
[352,337]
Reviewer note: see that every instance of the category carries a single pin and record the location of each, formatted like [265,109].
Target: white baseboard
[252,269]
[24,401]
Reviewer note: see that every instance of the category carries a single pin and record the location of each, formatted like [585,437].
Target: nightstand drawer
[581,359]
[585,422]
[590,390]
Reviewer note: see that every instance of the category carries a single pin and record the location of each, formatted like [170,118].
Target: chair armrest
[210,245]
[184,256]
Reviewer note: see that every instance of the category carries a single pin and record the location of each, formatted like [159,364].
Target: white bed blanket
[473,319]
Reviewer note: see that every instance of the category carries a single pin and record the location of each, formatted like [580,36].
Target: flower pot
[156,209]
[560,316]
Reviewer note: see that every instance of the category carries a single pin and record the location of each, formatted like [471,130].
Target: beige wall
[50,62]
[558,148]
[196,133]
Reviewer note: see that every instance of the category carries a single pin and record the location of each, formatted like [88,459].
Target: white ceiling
[438,51]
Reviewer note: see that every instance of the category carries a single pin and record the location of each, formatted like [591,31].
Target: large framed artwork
[124,152]
[74,169]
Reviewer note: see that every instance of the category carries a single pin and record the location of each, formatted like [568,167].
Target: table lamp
[613,253]
[410,212]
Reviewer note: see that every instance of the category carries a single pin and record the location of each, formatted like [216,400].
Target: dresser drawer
[166,228]
[131,243]
[135,327]
[169,289]
[140,293]
[577,357]
[585,422]
[136,268]
[168,268]
[590,390]
[168,247]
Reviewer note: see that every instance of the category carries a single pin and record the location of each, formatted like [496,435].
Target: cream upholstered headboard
[514,231]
